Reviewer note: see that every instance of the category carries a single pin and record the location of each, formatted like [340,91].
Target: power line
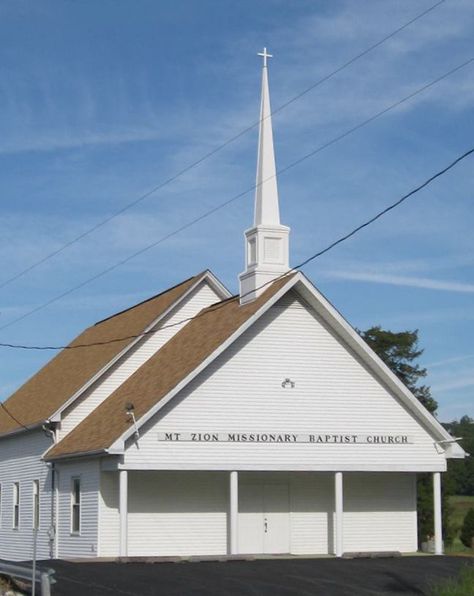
[299,266]
[238,196]
[7,411]
[206,156]
[387,209]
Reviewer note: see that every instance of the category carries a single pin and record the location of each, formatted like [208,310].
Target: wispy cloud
[457,383]
[70,139]
[446,361]
[403,280]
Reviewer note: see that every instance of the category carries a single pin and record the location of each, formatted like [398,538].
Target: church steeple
[267,242]
[266,193]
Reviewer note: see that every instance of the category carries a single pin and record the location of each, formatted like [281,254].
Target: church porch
[215,514]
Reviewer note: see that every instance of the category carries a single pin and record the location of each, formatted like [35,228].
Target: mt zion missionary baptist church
[219,424]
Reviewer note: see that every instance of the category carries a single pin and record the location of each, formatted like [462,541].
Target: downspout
[53,526]
[53,543]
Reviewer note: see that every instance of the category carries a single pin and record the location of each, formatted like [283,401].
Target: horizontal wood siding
[202,296]
[177,514]
[109,519]
[21,462]
[241,392]
[380,512]
[311,507]
[84,544]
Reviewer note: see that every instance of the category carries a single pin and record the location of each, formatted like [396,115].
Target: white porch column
[339,513]
[438,516]
[234,512]
[123,511]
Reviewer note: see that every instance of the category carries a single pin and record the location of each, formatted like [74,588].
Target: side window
[16,505]
[75,505]
[36,504]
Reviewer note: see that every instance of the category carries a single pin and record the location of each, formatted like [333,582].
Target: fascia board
[206,276]
[337,322]
[81,454]
[217,285]
[119,445]
[455,451]
[20,429]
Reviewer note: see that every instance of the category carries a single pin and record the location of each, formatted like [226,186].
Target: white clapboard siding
[380,512]
[20,462]
[202,296]
[241,392]
[84,544]
[109,528]
[311,513]
[177,514]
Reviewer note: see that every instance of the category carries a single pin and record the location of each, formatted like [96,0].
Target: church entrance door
[264,518]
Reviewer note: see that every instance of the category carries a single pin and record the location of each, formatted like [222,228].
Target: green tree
[400,351]
[461,471]
[467,531]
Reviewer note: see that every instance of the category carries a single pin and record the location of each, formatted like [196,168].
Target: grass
[463,585]
[460,505]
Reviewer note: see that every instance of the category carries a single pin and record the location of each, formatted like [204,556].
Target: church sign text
[262,437]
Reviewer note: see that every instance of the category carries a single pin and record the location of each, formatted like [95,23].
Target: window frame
[16,506]
[76,481]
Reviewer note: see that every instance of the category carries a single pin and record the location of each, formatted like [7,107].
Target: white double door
[264,518]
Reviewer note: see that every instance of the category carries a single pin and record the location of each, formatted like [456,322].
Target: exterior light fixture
[130,411]
[288,383]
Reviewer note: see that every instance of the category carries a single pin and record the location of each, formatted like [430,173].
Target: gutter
[21,429]
[75,455]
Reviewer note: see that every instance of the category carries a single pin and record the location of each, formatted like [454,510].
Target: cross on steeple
[265,56]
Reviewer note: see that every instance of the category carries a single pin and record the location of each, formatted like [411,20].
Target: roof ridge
[121,312]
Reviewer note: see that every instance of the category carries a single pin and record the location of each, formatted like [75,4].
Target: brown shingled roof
[66,373]
[179,357]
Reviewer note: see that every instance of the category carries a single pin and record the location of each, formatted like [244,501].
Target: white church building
[201,423]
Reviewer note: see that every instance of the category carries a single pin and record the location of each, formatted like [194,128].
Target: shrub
[467,530]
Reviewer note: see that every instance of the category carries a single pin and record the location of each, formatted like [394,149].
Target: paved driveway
[274,577]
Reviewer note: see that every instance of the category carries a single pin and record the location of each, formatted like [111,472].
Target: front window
[36,504]
[16,505]
[76,506]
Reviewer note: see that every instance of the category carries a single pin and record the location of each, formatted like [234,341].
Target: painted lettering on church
[287,438]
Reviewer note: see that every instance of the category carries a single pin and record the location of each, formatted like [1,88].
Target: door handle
[265,525]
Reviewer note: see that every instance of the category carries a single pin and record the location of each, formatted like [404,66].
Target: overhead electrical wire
[296,267]
[220,305]
[14,418]
[206,156]
[239,195]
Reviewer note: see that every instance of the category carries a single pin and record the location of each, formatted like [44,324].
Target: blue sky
[101,101]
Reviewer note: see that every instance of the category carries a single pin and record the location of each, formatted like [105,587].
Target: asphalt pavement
[272,577]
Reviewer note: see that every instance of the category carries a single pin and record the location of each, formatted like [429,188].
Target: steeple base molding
[266,258]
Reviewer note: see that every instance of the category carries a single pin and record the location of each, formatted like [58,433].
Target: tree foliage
[399,351]
[461,471]
[467,530]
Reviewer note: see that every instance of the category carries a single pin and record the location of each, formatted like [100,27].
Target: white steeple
[267,242]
